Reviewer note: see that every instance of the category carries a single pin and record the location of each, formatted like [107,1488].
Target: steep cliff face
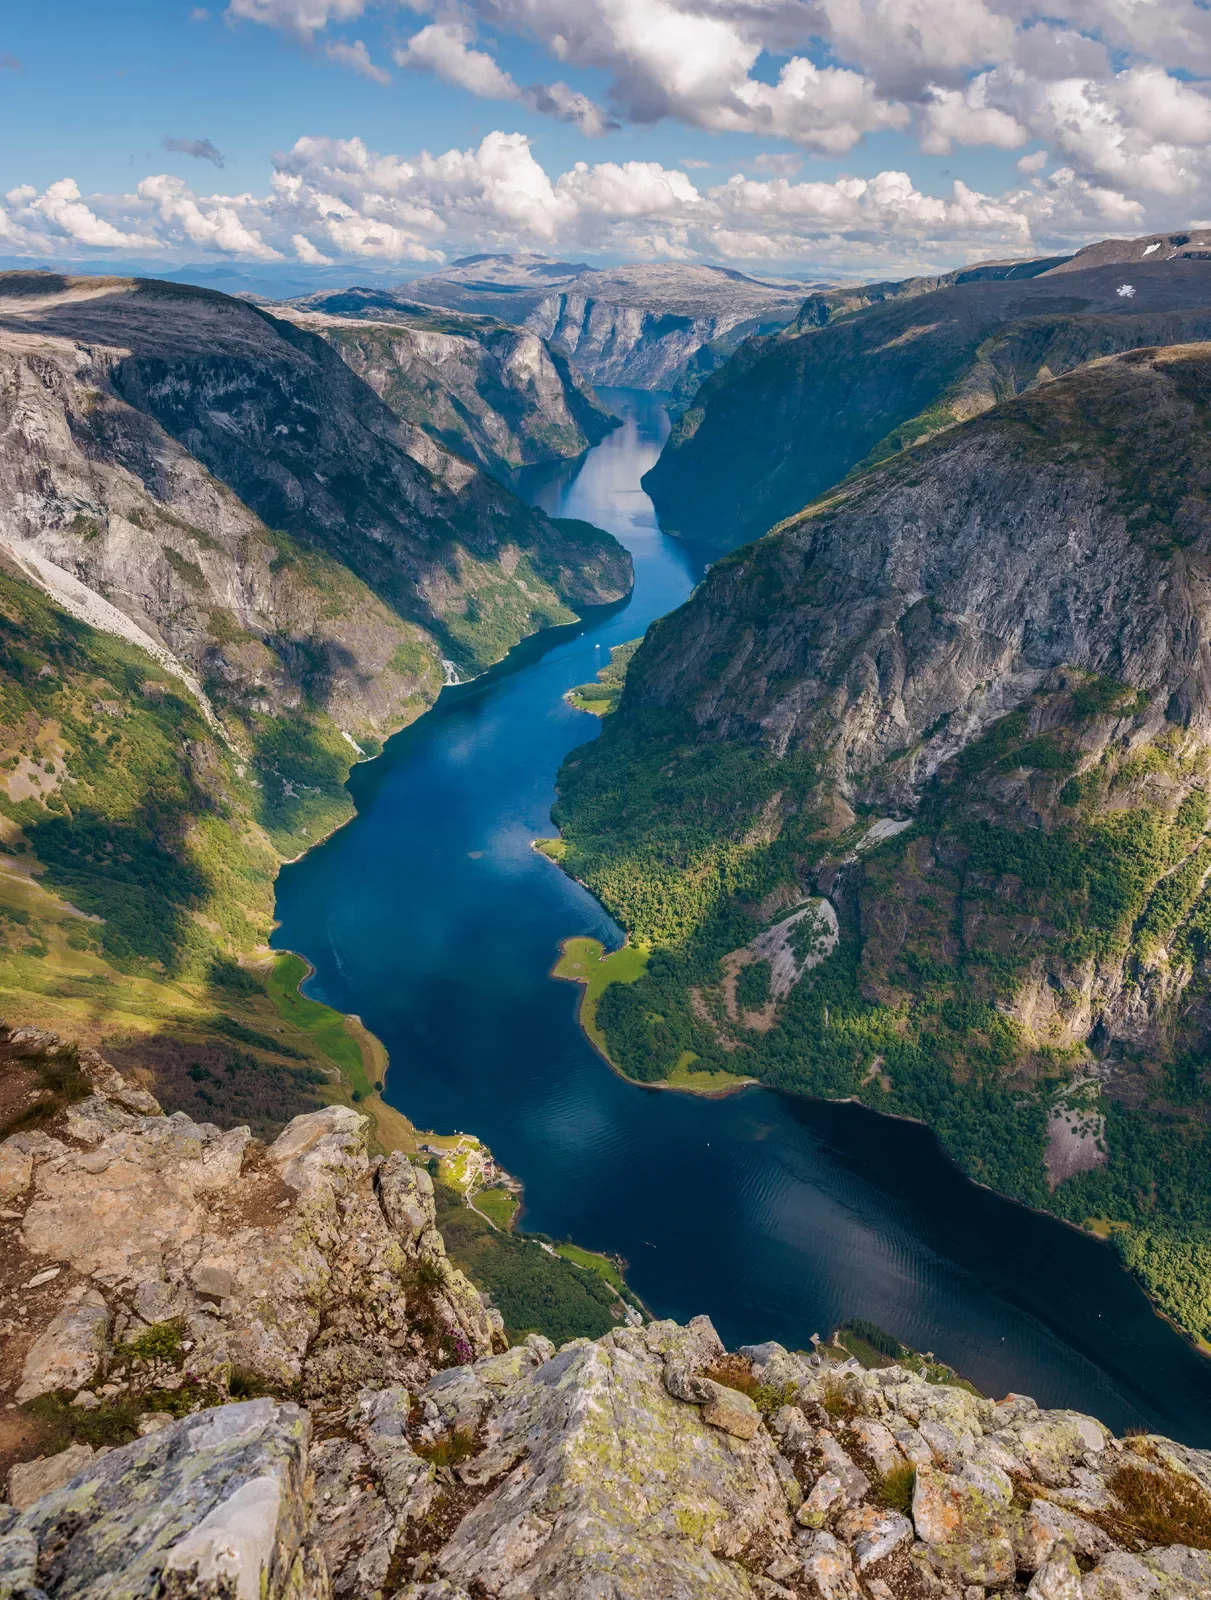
[643,326]
[396,1447]
[862,374]
[273,414]
[497,394]
[999,642]
[226,569]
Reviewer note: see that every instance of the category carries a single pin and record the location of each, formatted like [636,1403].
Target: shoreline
[706,1092]
[1200,1346]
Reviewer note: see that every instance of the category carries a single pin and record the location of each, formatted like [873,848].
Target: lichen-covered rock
[965,1526]
[1176,1573]
[68,1351]
[290,1263]
[1046,1526]
[30,1480]
[1059,1578]
[829,1568]
[604,1484]
[214,1506]
[731,1410]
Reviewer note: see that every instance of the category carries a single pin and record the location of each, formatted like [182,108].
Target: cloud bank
[331,199]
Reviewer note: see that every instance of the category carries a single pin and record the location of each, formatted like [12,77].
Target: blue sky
[872,134]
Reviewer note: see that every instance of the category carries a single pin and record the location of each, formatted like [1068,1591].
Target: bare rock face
[169,1259]
[498,395]
[900,618]
[581,1475]
[155,439]
[216,1506]
[297,1264]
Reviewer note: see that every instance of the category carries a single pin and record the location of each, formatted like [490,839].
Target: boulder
[283,1262]
[1059,1578]
[67,1353]
[1046,1526]
[730,1410]
[606,1484]
[30,1480]
[874,1532]
[879,1443]
[965,1527]
[1175,1573]
[213,1507]
[828,1566]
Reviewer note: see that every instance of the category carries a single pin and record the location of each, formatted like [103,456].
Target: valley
[229,571]
[994,639]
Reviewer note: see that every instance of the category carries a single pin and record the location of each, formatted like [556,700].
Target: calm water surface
[431,917]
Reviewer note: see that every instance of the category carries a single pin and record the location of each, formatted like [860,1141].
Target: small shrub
[894,1488]
[736,1372]
[113,1422]
[429,1275]
[1160,1508]
[160,1342]
[448,1449]
[837,1398]
[246,1385]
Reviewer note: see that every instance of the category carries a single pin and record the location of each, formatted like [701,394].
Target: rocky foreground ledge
[325,1407]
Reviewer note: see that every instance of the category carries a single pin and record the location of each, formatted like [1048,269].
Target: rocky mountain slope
[487,390]
[993,648]
[644,326]
[264,1378]
[863,373]
[504,286]
[226,568]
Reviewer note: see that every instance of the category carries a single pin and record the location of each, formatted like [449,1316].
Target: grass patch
[585,961]
[1159,1507]
[736,1372]
[327,1028]
[448,1449]
[894,1489]
[160,1342]
[593,1261]
[837,1398]
[708,1081]
[500,1205]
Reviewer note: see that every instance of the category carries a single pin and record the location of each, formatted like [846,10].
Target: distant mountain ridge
[862,373]
[636,325]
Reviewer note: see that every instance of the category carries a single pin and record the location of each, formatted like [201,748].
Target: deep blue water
[430,917]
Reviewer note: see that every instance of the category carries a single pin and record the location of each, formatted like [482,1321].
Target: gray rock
[1059,1578]
[217,1501]
[69,1350]
[624,1490]
[829,1568]
[30,1480]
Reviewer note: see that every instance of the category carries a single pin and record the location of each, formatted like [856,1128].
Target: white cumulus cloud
[336,199]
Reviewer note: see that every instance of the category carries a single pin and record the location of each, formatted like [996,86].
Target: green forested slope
[998,640]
